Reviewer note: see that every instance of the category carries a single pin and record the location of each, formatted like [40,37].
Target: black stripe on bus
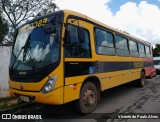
[86,68]
[148,64]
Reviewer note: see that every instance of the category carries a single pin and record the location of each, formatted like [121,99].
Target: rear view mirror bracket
[49,28]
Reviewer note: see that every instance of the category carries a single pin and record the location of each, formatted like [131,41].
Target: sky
[140,18]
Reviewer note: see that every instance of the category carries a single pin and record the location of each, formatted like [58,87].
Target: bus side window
[121,46]
[141,50]
[104,42]
[71,41]
[133,48]
[77,43]
[148,52]
[84,48]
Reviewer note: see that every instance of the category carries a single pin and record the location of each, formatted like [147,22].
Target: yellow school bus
[66,56]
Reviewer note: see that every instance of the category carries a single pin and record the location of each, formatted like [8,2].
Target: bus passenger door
[78,58]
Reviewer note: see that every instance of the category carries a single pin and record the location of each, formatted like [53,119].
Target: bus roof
[69,12]
[40,17]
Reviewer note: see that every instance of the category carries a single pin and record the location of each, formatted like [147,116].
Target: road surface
[122,99]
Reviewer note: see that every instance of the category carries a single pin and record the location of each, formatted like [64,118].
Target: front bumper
[54,97]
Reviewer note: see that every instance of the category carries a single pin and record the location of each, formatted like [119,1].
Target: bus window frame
[141,52]
[95,42]
[130,39]
[125,37]
[97,25]
[77,26]
[149,51]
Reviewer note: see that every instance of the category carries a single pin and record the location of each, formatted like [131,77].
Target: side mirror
[49,28]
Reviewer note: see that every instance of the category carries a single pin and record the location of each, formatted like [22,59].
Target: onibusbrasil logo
[15,116]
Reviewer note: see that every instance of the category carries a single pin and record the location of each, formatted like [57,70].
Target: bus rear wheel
[88,98]
[140,82]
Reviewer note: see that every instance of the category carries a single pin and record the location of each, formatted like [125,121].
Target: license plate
[24,98]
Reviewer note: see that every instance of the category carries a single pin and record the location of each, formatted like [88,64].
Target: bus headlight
[49,86]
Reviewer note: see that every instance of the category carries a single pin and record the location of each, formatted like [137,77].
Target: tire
[151,75]
[140,82]
[88,98]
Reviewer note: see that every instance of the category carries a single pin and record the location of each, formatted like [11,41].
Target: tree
[18,11]
[3,28]
[156,50]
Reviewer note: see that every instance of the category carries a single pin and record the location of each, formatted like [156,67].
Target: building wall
[5,53]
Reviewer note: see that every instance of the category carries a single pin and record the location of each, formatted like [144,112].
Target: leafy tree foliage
[18,11]
[156,50]
[3,28]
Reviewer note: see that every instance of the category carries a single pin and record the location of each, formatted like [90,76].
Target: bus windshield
[35,48]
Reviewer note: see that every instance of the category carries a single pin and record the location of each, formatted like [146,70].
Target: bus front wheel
[88,98]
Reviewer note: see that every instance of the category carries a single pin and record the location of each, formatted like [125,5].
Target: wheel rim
[89,98]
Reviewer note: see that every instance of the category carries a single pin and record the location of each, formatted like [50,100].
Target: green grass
[6,106]
[7,99]
[5,102]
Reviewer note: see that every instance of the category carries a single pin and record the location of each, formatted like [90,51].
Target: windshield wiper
[25,47]
[17,57]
